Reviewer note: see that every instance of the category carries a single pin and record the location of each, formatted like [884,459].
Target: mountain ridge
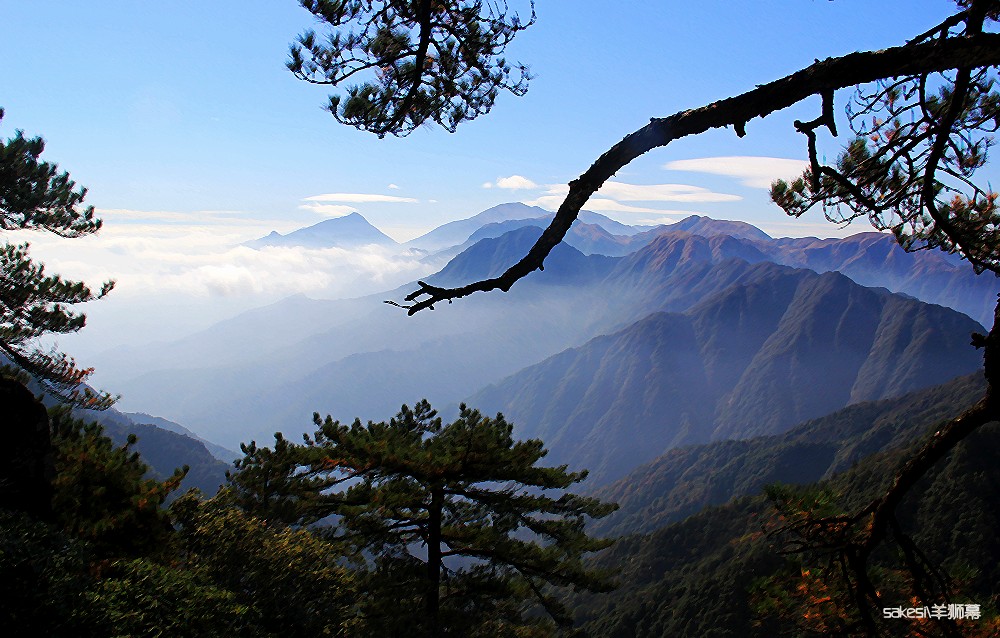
[775,347]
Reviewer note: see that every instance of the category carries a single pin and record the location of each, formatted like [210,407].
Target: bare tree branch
[821,78]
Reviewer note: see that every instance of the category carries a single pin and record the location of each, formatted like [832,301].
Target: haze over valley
[632,341]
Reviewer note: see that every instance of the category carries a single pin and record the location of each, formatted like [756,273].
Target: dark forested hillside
[164,451]
[709,574]
[686,480]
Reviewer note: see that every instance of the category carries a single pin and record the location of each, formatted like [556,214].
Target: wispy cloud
[552,202]
[755,172]
[393,187]
[360,198]
[512,182]
[200,217]
[663,193]
[666,217]
[208,262]
[612,194]
[330,210]
[184,277]
[819,228]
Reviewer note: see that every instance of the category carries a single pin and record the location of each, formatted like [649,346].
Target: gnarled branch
[821,78]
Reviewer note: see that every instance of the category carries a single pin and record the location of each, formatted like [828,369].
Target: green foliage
[101,492]
[43,578]
[723,572]
[143,598]
[417,61]
[466,492]
[34,195]
[298,583]
[268,485]
[919,140]
[112,563]
[54,585]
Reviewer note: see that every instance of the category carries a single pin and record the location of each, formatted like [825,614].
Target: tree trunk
[27,460]
[432,594]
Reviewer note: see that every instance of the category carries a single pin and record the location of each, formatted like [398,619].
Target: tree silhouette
[416,60]
[34,195]
[928,60]
[465,491]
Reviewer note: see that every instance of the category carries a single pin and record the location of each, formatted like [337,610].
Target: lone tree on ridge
[458,522]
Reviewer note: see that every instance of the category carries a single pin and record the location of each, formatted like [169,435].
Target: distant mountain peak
[491,256]
[349,231]
[459,231]
[706,226]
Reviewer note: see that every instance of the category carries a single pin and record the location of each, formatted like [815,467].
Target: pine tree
[416,62]
[34,195]
[455,519]
[102,492]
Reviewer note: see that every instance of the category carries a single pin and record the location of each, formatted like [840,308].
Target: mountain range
[871,259]
[509,216]
[699,334]
[775,347]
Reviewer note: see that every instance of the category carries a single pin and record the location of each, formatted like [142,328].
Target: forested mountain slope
[703,576]
[773,348]
[686,480]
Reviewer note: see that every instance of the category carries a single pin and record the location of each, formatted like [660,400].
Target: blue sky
[185,106]
[191,135]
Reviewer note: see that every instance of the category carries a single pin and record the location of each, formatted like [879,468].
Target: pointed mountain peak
[349,231]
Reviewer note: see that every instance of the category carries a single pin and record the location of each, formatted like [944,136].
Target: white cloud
[666,217]
[159,261]
[513,182]
[393,187]
[330,210]
[663,193]
[756,172]
[819,228]
[359,198]
[552,202]
[612,194]
[170,282]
